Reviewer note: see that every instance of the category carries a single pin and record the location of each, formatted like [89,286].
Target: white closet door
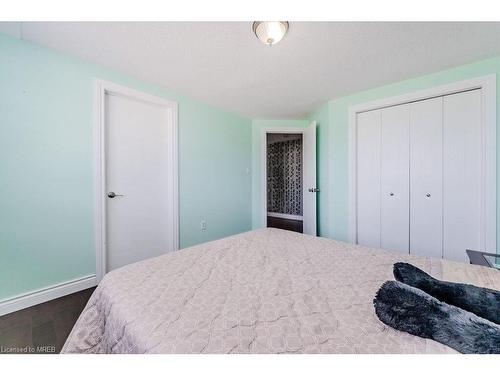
[394,201]
[462,174]
[368,178]
[426,182]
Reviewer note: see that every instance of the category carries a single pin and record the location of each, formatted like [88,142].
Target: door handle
[112,194]
[313,190]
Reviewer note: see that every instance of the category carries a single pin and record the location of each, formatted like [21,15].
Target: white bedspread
[265,291]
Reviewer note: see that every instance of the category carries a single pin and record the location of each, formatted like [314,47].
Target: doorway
[289,179]
[136,177]
[284,181]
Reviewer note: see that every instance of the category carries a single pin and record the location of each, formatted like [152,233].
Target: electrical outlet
[203,225]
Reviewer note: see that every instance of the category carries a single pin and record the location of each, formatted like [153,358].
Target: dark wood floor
[42,328]
[288,224]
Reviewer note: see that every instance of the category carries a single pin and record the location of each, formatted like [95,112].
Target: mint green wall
[338,187]
[46,167]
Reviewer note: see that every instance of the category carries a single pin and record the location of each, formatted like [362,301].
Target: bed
[264,291]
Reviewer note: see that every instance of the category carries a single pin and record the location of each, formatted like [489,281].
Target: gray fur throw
[483,302]
[411,310]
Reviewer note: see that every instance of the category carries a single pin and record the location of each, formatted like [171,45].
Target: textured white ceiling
[222,63]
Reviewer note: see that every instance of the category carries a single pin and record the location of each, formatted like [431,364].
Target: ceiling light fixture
[270,32]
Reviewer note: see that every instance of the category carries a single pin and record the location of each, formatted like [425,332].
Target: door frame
[263,162]
[487,84]
[102,88]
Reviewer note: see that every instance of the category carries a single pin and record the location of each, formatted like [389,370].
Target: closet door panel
[426,183]
[368,178]
[395,212]
[462,174]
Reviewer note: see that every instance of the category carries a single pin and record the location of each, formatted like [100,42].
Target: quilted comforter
[265,291]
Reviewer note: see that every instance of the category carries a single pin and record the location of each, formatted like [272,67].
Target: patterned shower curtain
[284,177]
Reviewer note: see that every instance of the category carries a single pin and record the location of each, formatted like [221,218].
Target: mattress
[264,291]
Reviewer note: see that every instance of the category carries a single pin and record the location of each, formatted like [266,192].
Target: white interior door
[462,174]
[368,178]
[426,177]
[395,174]
[139,218]
[309,184]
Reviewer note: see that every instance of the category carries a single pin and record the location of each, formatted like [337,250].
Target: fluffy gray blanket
[408,308]
[483,302]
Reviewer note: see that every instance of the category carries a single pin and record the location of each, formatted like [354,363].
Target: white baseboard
[23,301]
[285,216]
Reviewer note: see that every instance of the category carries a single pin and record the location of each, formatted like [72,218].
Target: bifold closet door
[368,178]
[462,174]
[394,177]
[426,178]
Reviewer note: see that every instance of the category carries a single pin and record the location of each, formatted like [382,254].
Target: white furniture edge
[285,216]
[35,297]
[263,164]
[101,88]
[488,86]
